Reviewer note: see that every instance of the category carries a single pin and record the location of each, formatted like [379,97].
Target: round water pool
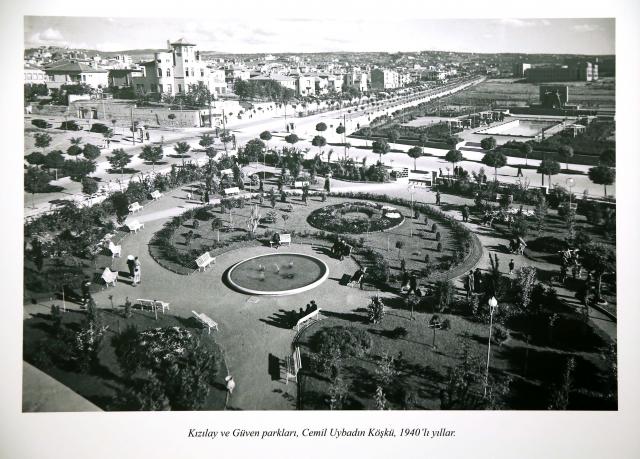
[278,274]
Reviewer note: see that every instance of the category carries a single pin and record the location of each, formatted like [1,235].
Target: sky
[560,36]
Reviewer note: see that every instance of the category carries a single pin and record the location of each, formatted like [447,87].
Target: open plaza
[320,255]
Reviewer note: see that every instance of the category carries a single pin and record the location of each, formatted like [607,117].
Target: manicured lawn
[104,386]
[533,361]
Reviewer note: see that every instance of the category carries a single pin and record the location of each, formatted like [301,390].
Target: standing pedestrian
[465,214]
[136,272]
[519,172]
[403,265]
[146,134]
[131,264]
[471,281]
[511,266]
[437,198]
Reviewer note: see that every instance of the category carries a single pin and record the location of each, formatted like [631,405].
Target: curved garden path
[248,334]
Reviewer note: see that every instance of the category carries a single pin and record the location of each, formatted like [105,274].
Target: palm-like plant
[181,149]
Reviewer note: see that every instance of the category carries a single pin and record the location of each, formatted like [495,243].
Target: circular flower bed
[355,218]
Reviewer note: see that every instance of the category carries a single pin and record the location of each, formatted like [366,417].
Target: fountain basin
[277,274]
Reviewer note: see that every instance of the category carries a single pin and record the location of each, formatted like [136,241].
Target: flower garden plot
[355,218]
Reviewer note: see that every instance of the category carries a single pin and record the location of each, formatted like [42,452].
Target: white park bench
[284,239]
[134,225]
[300,184]
[224,172]
[116,250]
[152,304]
[215,201]
[294,364]
[110,277]
[206,321]
[135,207]
[204,260]
[314,315]
[231,191]
[156,195]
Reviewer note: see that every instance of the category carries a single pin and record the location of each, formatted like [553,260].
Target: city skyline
[506,35]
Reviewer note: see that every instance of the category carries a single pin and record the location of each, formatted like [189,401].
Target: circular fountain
[278,274]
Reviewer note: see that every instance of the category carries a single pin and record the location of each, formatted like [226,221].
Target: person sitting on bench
[275,240]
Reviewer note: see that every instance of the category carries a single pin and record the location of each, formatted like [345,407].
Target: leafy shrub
[434,227]
[438,236]
[196,224]
[439,247]
[499,334]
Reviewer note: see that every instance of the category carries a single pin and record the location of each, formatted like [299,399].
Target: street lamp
[570,182]
[493,305]
[411,189]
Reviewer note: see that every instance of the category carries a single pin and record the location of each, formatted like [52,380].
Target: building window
[179,88]
[160,89]
[169,88]
[186,72]
[159,73]
[84,77]
[201,72]
[168,72]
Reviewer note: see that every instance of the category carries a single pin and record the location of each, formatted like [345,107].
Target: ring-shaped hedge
[355,218]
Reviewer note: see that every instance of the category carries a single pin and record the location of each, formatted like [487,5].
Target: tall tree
[181,149]
[566,153]
[35,181]
[152,155]
[91,152]
[548,167]
[494,159]
[319,141]
[381,147]
[454,157]
[42,140]
[292,139]
[119,160]
[598,259]
[415,153]
[602,175]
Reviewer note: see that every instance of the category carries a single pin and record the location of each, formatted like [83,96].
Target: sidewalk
[41,393]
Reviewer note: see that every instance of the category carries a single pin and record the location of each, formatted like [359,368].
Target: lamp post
[493,305]
[411,189]
[570,182]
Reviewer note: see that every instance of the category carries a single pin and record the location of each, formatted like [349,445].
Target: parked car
[100,128]
[70,126]
[40,123]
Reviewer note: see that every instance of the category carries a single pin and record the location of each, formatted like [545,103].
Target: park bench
[284,239]
[152,304]
[224,172]
[313,315]
[206,321]
[300,184]
[204,260]
[231,191]
[134,225]
[135,207]
[156,195]
[109,277]
[294,364]
[215,201]
[116,250]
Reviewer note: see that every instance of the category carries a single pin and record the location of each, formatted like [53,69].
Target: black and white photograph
[410,213]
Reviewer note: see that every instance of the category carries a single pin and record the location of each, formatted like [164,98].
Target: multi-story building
[357,80]
[175,70]
[384,79]
[306,85]
[73,72]
[284,80]
[34,75]
[574,71]
[123,78]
